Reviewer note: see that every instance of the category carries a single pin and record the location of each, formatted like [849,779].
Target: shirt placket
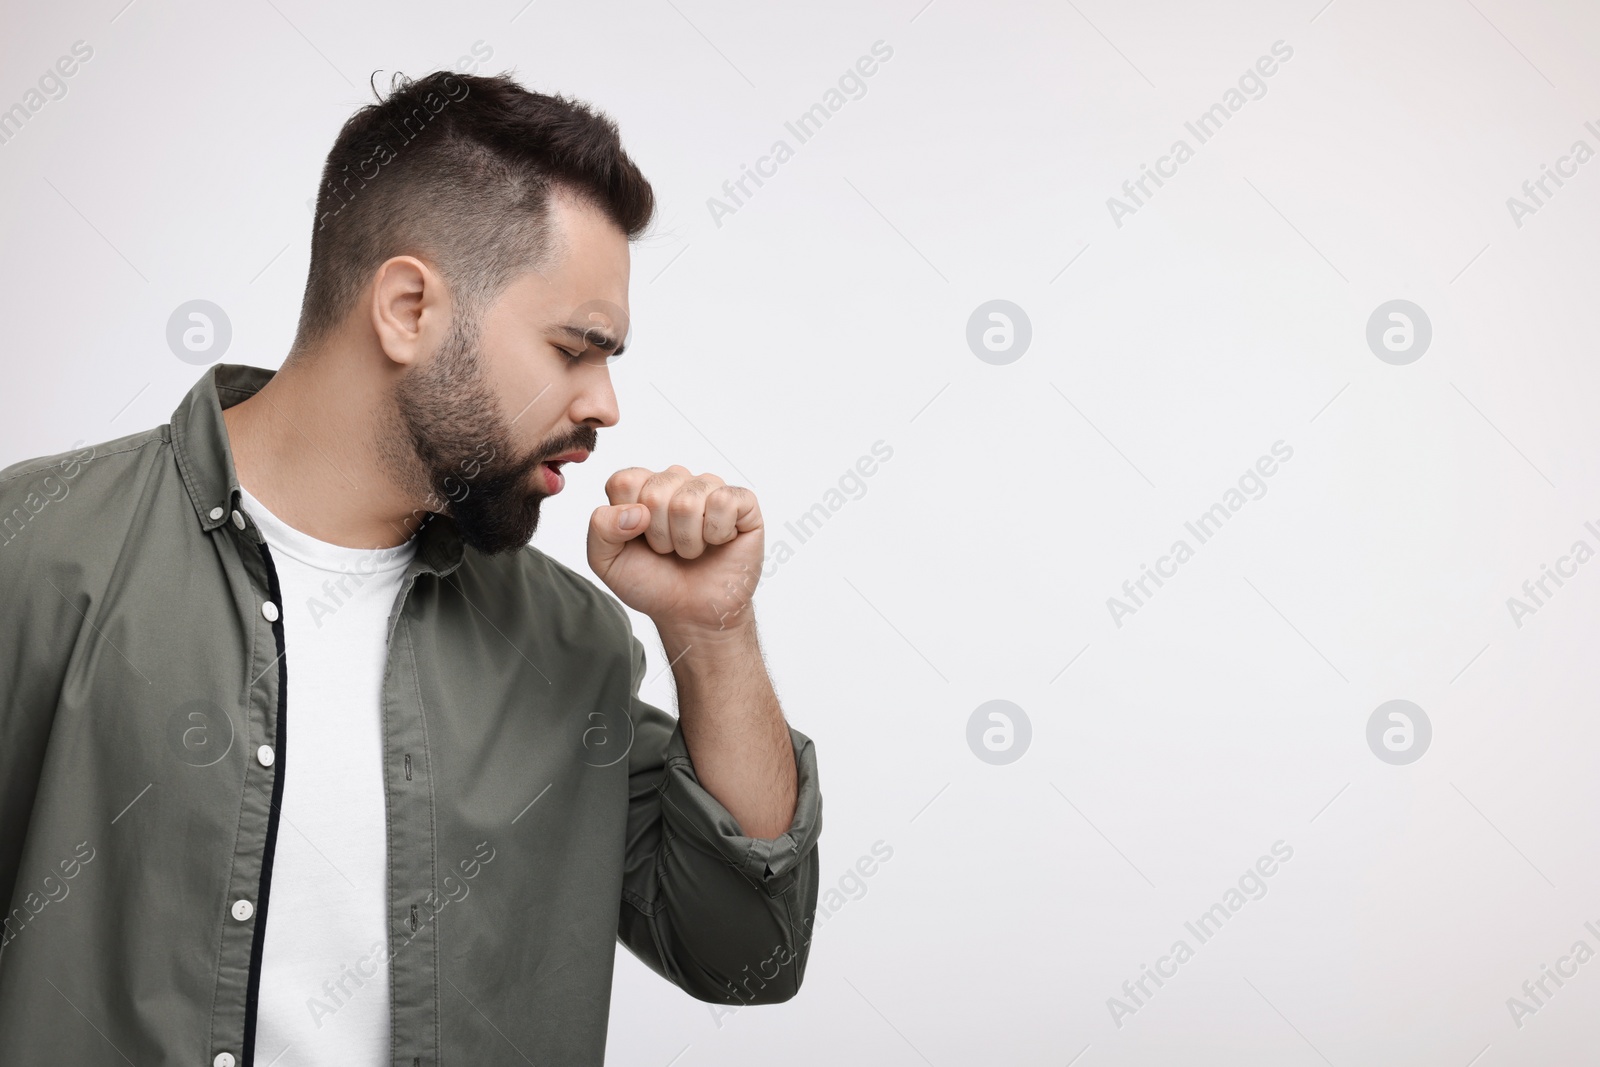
[408,797]
[233,1023]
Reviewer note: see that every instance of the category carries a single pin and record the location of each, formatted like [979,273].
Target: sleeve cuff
[699,819]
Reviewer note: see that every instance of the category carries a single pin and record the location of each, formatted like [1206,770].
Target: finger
[749,517]
[608,535]
[723,508]
[656,493]
[623,486]
[686,514]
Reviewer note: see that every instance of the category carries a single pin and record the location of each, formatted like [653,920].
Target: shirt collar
[205,460]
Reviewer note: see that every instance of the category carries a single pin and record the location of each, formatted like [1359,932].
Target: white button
[216,513]
[269,611]
[224,1059]
[242,910]
[264,755]
[238,520]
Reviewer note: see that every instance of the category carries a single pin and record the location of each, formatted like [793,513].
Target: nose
[596,402]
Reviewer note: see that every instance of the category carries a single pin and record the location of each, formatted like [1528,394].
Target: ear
[410,309]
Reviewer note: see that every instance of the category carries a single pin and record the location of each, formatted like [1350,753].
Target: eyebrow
[593,335]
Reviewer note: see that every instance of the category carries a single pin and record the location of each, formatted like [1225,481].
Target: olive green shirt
[538,811]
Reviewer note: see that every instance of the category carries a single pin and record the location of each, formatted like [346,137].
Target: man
[306,757]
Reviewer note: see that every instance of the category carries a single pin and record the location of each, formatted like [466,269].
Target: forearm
[733,726]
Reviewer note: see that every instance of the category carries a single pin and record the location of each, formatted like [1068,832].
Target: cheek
[510,380]
[524,396]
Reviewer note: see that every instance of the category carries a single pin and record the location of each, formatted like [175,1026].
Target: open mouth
[551,468]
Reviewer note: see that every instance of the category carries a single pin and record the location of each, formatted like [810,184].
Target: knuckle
[626,478]
[657,480]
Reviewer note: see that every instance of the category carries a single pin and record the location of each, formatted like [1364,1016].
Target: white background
[830,311]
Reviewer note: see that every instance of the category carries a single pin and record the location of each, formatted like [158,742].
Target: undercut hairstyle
[459,170]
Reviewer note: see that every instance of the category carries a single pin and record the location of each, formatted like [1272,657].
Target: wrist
[693,645]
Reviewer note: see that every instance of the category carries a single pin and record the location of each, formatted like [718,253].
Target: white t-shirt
[324,995]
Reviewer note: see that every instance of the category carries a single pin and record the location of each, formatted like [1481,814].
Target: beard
[463,460]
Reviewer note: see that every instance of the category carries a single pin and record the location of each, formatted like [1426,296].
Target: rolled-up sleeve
[724,916]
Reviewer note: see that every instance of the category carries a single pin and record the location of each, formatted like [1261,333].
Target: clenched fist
[696,565]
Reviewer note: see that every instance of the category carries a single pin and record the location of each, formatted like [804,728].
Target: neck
[309,447]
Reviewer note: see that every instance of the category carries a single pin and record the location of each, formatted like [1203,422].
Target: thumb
[610,530]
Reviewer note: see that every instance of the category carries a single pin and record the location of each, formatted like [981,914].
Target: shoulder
[71,464]
[58,502]
[67,522]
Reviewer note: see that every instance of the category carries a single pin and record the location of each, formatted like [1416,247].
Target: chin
[502,532]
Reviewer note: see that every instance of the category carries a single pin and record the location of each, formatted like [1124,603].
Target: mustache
[585,438]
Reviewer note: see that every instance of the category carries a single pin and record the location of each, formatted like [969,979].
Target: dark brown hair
[459,169]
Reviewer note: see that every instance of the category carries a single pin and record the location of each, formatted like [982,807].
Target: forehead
[585,272]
